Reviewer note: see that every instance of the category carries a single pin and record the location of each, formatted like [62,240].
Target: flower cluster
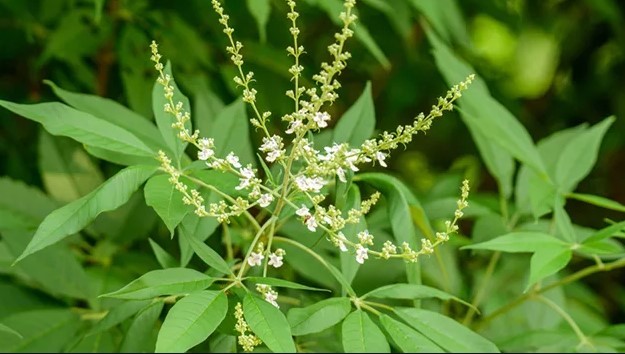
[246,341]
[268,294]
[306,174]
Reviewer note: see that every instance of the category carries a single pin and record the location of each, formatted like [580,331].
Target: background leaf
[59,119]
[357,124]
[165,120]
[75,216]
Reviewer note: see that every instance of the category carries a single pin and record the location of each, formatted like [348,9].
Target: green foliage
[99,236]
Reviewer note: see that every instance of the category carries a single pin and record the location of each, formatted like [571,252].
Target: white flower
[365,237]
[247,172]
[321,119]
[271,297]
[272,147]
[265,200]
[205,154]
[255,259]
[341,242]
[361,254]
[306,184]
[275,260]
[303,211]
[341,173]
[293,126]
[233,160]
[381,157]
[352,158]
[311,223]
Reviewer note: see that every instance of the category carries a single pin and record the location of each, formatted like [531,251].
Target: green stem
[253,244]
[349,289]
[568,279]
[583,340]
[482,289]
[228,241]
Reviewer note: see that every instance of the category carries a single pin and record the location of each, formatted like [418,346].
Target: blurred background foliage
[553,63]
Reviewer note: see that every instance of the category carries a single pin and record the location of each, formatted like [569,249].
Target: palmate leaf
[269,324]
[60,119]
[191,320]
[159,282]
[74,216]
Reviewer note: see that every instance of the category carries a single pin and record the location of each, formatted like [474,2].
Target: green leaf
[348,266]
[281,283]
[528,241]
[406,338]
[118,314]
[564,226]
[491,118]
[498,161]
[361,335]
[579,156]
[358,123]
[398,209]
[547,261]
[66,170]
[164,120]
[319,316]
[604,233]
[598,201]
[22,206]
[139,338]
[41,331]
[9,330]
[191,320]
[231,133]
[165,259]
[207,254]
[260,10]
[74,216]
[196,227]
[60,119]
[159,282]
[333,8]
[445,332]
[54,270]
[109,110]
[410,291]
[269,324]
[121,158]
[161,195]
[446,18]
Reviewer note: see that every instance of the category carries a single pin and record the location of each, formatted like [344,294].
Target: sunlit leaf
[191,320]
[159,282]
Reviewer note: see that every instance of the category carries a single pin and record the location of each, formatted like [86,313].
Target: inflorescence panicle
[316,171]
